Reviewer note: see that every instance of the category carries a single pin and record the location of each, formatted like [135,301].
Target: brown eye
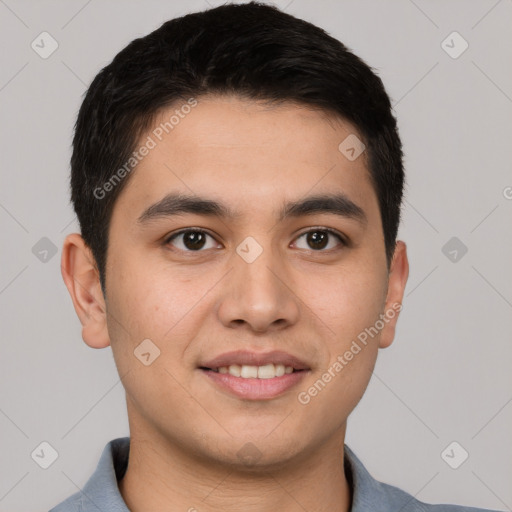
[319,239]
[190,240]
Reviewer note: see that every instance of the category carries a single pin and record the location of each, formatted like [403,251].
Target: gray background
[446,377]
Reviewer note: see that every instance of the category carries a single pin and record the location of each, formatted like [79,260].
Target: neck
[160,475]
[163,473]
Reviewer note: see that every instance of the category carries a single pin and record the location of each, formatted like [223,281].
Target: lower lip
[255,389]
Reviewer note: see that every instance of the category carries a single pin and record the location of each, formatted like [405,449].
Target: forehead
[247,154]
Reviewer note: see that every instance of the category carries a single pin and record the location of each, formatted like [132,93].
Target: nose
[259,295]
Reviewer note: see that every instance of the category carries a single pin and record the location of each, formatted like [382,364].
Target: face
[253,309]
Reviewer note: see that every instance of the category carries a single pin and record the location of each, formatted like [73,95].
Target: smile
[268,371]
[254,375]
[239,381]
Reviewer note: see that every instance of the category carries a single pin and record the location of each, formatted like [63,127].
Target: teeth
[249,372]
[268,371]
[234,370]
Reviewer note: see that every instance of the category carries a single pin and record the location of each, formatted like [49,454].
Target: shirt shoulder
[370,494]
[101,492]
[400,500]
[71,504]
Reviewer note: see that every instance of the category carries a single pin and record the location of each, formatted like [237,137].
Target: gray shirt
[101,492]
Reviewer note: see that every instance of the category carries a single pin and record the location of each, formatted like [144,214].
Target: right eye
[190,240]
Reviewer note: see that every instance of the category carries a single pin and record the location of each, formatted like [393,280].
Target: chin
[255,453]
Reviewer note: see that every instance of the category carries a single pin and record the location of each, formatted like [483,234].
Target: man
[237,175]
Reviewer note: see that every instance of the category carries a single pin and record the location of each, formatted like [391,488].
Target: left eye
[196,239]
[318,239]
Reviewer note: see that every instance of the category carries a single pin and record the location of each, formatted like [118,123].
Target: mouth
[255,376]
[267,371]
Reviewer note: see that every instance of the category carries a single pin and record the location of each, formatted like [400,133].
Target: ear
[398,274]
[81,277]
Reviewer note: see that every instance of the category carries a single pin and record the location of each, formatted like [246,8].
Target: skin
[185,432]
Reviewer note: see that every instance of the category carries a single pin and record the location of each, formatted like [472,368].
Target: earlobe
[398,275]
[81,277]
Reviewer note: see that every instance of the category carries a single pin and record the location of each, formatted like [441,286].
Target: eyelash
[342,240]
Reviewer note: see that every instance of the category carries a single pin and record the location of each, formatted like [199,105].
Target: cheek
[147,306]
[154,307]
[153,301]
[345,302]
[349,307]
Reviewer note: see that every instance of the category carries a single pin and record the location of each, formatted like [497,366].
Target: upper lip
[246,357]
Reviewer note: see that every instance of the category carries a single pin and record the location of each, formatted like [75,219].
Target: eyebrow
[175,204]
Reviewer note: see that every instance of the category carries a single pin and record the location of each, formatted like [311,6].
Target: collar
[101,491]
